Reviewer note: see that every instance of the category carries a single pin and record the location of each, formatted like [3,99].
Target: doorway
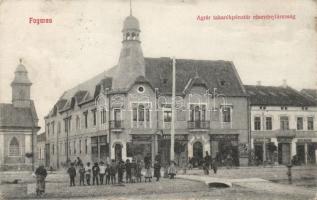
[197,154]
[118,152]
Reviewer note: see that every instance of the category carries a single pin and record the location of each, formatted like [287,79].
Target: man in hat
[72,174]
[95,174]
[128,171]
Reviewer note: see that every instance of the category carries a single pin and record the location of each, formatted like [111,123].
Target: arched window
[133,36]
[14,148]
[128,36]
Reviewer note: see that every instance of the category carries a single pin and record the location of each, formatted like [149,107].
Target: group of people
[207,163]
[113,173]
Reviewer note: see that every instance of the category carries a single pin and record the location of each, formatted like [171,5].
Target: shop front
[140,146]
[225,149]
[180,149]
[305,151]
[99,148]
[267,154]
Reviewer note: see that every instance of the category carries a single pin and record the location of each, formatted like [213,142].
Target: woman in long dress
[41,174]
[148,171]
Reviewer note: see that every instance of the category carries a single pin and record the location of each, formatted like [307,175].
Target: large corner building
[125,112]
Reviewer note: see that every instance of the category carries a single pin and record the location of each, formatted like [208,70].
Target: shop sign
[226,137]
[142,137]
[284,139]
[176,137]
[304,140]
[262,140]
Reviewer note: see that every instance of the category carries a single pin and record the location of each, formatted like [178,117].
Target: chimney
[284,83]
[258,83]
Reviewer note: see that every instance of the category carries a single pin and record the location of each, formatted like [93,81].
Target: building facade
[126,112]
[283,125]
[18,125]
[40,146]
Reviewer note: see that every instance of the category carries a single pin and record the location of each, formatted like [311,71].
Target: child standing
[172,170]
[81,174]
[72,174]
[138,173]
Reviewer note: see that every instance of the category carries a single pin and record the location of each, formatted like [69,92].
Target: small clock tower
[21,87]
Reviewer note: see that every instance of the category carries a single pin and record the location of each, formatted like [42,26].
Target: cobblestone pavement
[57,187]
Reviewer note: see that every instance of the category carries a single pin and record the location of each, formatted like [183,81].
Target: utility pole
[173,110]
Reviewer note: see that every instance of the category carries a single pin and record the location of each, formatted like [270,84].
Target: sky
[84,39]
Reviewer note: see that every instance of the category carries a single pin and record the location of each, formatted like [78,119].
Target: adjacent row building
[125,112]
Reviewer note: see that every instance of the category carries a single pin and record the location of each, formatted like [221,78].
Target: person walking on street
[88,170]
[81,175]
[157,170]
[72,174]
[95,174]
[40,174]
[102,172]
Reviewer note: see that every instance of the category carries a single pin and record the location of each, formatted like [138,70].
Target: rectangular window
[197,112]
[53,127]
[74,147]
[226,114]
[59,128]
[167,115]
[284,124]
[79,146]
[103,118]
[268,123]
[257,123]
[53,149]
[310,123]
[86,146]
[299,123]
[94,119]
[141,112]
[147,114]
[86,119]
[135,112]
[48,129]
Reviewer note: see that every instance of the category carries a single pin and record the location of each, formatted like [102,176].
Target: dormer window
[222,82]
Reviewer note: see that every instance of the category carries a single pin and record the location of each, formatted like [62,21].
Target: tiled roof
[311,93]
[11,116]
[158,73]
[277,96]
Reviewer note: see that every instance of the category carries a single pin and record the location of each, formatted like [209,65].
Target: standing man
[120,171]
[102,172]
[72,174]
[127,171]
[41,174]
[88,170]
[95,174]
[157,170]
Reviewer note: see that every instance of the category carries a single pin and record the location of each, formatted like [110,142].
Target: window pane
[268,123]
[310,123]
[299,123]
[226,114]
[257,123]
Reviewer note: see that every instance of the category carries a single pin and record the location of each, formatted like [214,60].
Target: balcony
[198,125]
[116,125]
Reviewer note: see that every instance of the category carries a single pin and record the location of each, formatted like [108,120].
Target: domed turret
[131,61]
[21,86]
[21,75]
[131,23]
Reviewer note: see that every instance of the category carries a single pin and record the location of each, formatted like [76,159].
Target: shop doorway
[258,152]
[197,154]
[300,153]
[284,153]
[311,153]
[118,152]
